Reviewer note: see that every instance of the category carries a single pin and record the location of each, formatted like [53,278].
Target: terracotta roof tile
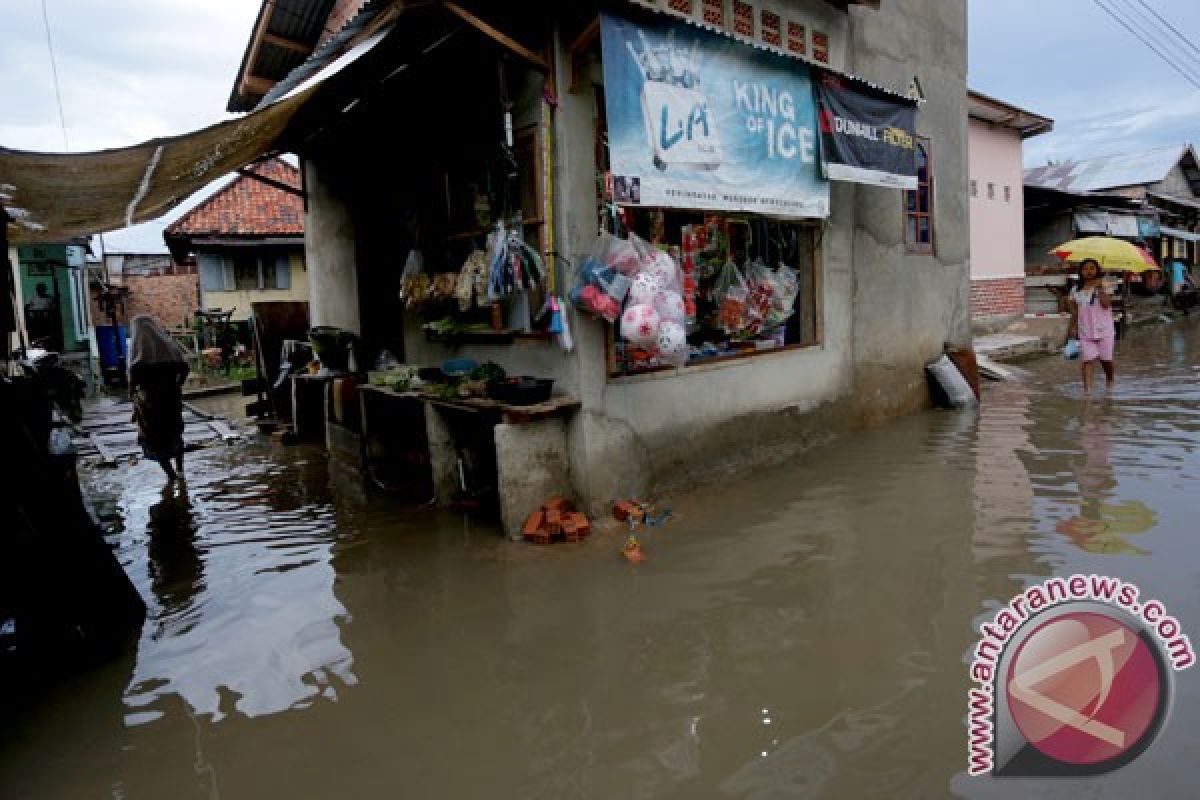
[247,207]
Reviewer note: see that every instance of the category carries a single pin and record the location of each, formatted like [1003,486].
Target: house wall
[906,306]
[240,300]
[1176,183]
[329,243]
[997,223]
[171,299]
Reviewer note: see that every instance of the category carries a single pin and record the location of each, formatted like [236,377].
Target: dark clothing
[157,391]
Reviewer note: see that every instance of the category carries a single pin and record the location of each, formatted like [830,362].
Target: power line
[1157,34]
[1121,21]
[62,118]
[1166,22]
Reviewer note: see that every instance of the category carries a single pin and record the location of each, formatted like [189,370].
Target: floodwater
[801,633]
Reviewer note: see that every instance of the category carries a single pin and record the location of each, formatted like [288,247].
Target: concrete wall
[997,224]
[240,299]
[906,306]
[329,248]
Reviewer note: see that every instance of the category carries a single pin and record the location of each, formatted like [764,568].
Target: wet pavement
[800,633]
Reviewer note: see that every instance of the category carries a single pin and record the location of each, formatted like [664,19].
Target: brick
[553,522]
[558,503]
[581,524]
[533,523]
[625,511]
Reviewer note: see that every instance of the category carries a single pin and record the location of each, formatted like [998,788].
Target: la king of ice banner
[700,121]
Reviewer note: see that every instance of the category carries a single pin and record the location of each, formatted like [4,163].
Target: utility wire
[1157,33]
[1124,24]
[62,118]
[1173,29]
[1160,36]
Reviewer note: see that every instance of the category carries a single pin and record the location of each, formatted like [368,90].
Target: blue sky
[1066,59]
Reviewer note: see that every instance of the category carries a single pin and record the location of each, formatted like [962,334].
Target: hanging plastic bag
[787,289]
[730,295]
[1072,349]
[411,285]
[600,288]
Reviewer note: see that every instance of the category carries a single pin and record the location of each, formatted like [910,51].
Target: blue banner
[700,121]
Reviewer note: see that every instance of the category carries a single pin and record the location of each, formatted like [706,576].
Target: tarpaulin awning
[1176,233]
[57,196]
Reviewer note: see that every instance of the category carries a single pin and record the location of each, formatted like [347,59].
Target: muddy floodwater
[802,632]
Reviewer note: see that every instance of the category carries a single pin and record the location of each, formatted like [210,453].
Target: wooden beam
[497,36]
[274,184]
[260,28]
[286,43]
[255,85]
[576,50]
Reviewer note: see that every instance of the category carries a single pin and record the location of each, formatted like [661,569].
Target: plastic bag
[1071,350]
[600,288]
[958,393]
[730,295]
[619,254]
[414,283]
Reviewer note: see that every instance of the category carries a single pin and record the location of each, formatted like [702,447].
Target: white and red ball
[640,324]
[644,288]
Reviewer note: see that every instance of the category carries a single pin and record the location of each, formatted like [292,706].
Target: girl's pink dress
[1096,331]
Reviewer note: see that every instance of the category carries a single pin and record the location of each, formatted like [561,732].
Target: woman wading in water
[157,370]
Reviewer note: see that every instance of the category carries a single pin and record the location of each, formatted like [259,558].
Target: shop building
[996,132]
[447,118]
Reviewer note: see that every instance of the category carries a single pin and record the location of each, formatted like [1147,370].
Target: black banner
[866,136]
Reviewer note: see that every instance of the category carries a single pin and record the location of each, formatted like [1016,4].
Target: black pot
[521,390]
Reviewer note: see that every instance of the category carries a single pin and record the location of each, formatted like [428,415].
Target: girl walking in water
[1092,323]
[157,370]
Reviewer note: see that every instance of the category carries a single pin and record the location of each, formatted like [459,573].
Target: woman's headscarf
[152,344]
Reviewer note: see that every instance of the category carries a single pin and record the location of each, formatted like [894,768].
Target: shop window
[918,205]
[754,286]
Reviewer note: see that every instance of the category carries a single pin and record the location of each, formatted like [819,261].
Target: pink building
[996,173]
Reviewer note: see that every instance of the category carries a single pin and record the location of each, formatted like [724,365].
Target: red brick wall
[343,11]
[997,297]
[170,298]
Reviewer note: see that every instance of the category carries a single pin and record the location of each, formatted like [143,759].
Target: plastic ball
[664,270]
[672,338]
[643,290]
[670,306]
[640,324]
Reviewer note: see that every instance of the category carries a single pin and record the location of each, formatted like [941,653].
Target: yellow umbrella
[1113,255]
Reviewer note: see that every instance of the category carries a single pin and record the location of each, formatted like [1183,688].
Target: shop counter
[470,448]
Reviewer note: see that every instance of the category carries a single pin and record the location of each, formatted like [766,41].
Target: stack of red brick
[556,520]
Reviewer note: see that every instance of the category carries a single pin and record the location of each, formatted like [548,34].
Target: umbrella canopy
[1113,255]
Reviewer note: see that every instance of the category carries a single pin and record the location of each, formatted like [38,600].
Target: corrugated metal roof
[1187,236]
[1108,172]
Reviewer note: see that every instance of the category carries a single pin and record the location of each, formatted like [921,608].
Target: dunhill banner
[866,136]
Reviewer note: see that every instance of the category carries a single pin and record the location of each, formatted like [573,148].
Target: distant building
[134,273]
[1152,196]
[996,132]
[247,240]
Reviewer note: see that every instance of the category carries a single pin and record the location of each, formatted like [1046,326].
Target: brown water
[799,634]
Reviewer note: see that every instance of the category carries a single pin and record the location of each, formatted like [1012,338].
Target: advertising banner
[866,136]
[699,121]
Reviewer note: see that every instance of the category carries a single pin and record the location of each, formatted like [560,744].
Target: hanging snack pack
[600,287]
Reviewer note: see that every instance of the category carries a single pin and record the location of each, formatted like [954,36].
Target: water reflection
[1102,522]
[243,618]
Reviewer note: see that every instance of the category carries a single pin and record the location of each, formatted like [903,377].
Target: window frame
[913,247]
